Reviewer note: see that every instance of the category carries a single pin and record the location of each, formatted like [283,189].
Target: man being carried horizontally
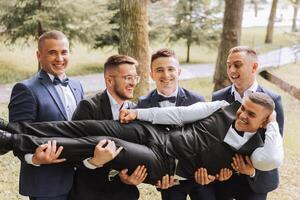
[206,138]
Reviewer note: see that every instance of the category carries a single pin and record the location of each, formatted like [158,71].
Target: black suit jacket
[94,184]
[263,182]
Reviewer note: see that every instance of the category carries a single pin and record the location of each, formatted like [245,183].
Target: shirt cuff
[28,159]
[253,175]
[87,164]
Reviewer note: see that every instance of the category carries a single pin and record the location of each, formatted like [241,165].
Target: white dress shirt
[251,89]
[265,158]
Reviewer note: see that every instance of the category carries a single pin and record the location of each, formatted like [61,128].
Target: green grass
[18,62]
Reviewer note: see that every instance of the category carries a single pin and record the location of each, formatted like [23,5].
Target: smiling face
[165,73]
[53,56]
[251,116]
[241,70]
[120,82]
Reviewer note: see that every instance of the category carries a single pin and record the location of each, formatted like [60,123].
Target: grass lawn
[290,180]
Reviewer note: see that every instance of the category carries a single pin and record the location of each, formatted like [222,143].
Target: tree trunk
[230,37]
[270,27]
[188,45]
[134,39]
[296,6]
[255,2]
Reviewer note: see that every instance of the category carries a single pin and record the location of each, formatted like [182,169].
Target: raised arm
[173,115]
[271,155]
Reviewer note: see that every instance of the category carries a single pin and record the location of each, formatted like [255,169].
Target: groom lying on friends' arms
[210,142]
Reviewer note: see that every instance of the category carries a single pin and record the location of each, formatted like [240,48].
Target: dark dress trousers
[263,182]
[196,144]
[36,100]
[94,184]
[186,187]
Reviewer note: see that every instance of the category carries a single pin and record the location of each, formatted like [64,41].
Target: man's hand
[127,116]
[243,166]
[47,154]
[104,152]
[166,182]
[224,174]
[137,177]
[202,177]
[272,117]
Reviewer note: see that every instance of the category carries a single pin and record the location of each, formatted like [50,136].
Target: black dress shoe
[6,143]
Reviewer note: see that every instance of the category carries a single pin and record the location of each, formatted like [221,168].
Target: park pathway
[94,82]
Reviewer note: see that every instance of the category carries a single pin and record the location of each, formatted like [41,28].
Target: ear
[38,55]
[264,123]
[254,67]
[179,71]
[108,80]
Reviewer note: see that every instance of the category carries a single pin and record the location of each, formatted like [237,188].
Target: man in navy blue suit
[165,71]
[249,184]
[47,96]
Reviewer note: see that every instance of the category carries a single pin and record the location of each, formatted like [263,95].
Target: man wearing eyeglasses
[120,79]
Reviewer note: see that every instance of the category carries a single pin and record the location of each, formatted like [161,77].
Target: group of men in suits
[51,96]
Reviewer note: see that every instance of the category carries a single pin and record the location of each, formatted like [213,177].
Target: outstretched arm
[173,115]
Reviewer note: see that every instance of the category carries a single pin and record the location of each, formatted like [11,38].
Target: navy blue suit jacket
[263,182]
[184,98]
[36,100]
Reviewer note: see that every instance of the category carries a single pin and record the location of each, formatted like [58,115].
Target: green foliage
[111,35]
[9,72]
[197,22]
[27,19]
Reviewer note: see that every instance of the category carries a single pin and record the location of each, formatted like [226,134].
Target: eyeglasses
[129,78]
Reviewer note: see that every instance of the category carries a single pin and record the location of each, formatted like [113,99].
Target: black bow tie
[162,98]
[63,82]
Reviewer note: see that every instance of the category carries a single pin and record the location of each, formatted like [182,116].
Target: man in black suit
[120,79]
[47,96]
[165,72]
[197,143]
[250,184]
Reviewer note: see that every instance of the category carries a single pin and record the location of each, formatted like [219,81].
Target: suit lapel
[181,97]
[254,142]
[75,91]
[105,106]
[229,96]
[154,99]
[46,82]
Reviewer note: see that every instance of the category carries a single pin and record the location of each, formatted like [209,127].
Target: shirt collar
[238,97]
[51,76]
[174,94]
[114,103]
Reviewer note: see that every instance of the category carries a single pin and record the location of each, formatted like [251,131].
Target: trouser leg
[77,149]
[137,132]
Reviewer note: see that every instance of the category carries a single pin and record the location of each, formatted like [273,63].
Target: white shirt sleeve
[271,155]
[179,115]
[28,159]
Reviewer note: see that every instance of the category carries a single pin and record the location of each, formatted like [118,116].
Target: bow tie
[170,99]
[57,81]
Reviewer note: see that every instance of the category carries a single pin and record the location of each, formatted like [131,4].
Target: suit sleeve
[280,114]
[22,106]
[84,111]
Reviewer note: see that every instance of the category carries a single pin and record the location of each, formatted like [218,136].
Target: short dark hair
[114,61]
[164,52]
[249,51]
[54,34]
[262,99]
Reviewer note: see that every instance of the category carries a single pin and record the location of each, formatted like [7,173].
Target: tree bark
[296,4]
[230,37]
[134,39]
[270,27]
[188,45]
[39,28]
